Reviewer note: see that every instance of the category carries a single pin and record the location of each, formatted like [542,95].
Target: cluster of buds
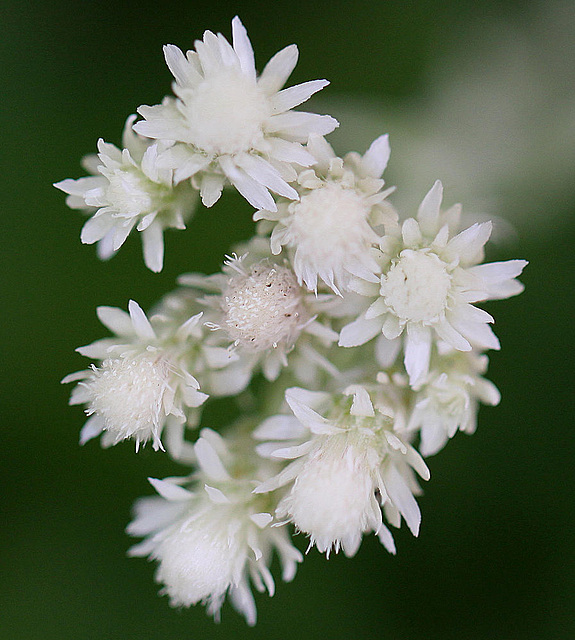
[361,325]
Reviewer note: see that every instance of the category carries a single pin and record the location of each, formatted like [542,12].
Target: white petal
[307,416]
[402,498]
[96,228]
[121,232]
[321,150]
[446,332]
[286,151]
[218,357]
[256,194]
[153,246]
[263,172]
[290,453]
[417,352]
[211,188]
[479,334]
[375,160]
[294,96]
[184,72]
[391,327]
[243,48]
[499,278]
[428,212]
[411,233]
[92,428]
[169,490]
[468,313]
[140,322]
[361,405]
[386,539]
[209,461]
[280,428]
[468,244]
[116,320]
[494,272]
[299,125]
[386,351]
[100,348]
[215,495]
[261,520]
[278,69]
[359,332]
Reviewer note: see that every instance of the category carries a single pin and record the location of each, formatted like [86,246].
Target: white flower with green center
[128,189]
[345,468]
[143,384]
[430,278]
[258,306]
[330,229]
[231,126]
[213,534]
[448,400]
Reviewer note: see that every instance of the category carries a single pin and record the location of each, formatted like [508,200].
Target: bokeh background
[479,94]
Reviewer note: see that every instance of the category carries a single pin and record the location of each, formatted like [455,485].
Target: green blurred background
[495,557]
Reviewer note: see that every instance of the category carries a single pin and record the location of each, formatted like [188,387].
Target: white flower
[230,125]
[129,190]
[143,383]
[259,307]
[212,537]
[448,400]
[330,230]
[345,468]
[428,283]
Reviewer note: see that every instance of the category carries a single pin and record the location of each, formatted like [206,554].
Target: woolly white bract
[350,336]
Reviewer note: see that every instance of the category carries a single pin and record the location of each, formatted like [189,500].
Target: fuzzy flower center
[450,396]
[130,193]
[128,393]
[416,287]
[201,559]
[332,496]
[225,113]
[330,221]
[264,307]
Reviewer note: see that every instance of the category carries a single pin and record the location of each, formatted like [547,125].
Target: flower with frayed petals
[429,280]
[330,230]
[448,400]
[230,125]
[143,383]
[129,190]
[211,534]
[257,305]
[345,467]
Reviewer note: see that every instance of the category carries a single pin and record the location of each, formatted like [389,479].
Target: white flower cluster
[364,329]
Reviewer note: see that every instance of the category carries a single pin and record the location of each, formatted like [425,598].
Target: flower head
[128,189]
[429,279]
[330,229]
[257,305]
[448,399]
[142,384]
[211,535]
[345,467]
[232,126]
